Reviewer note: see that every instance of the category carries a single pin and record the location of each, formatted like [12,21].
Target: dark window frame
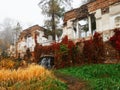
[104,10]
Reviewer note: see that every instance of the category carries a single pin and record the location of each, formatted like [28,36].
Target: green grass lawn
[98,77]
[48,84]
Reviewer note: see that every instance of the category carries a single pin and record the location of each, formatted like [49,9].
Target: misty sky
[26,12]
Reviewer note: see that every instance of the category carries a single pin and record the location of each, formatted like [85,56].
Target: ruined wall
[100,4]
[68,30]
[106,12]
[70,15]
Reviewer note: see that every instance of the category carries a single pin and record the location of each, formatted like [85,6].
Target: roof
[30,30]
[33,28]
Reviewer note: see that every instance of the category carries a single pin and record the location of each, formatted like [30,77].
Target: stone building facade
[27,39]
[101,16]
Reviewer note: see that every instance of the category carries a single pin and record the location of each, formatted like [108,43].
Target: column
[77,29]
[89,25]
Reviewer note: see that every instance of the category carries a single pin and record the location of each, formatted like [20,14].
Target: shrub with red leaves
[63,52]
[99,50]
[115,39]
[88,51]
[65,40]
[66,53]
[94,49]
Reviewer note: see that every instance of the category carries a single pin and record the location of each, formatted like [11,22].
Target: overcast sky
[26,12]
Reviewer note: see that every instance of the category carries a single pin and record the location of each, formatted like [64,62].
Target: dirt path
[72,82]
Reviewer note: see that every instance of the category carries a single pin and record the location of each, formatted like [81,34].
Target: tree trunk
[53,21]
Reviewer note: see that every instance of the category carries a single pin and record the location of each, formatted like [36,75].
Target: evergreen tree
[54,10]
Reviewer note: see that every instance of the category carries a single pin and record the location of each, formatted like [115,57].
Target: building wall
[40,38]
[107,21]
[74,28]
[21,47]
[68,30]
[12,51]
[107,14]
[29,42]
[102,21]
[98,4]
[114,13]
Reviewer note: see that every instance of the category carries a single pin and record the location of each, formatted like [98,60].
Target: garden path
[72,82]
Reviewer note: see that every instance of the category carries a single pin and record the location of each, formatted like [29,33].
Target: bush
[67,53]
[94,49]
[63,52]
[115,40]
[7,64]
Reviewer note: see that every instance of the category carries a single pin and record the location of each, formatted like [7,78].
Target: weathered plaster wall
[68,30]
[98,4]
[107,21]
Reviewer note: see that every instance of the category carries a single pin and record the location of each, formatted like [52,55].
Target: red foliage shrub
[88,51]
[99,52]
[115,39]
[65,40]
[66,53]
[62,52]
[94,49]
[56,46]
[37,52]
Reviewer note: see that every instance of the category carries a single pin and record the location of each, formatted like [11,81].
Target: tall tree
[54,10]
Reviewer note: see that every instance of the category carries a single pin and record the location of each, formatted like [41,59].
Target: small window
[29,35]
[105,10]
[117,21]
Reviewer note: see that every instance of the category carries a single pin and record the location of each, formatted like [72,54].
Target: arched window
[117,21]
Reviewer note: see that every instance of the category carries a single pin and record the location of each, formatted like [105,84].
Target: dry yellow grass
[33,77]
[23,74]
[27,77]
[7,63]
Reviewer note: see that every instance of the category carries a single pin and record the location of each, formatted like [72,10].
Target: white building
[11,51]
[107,14]
[101,15]
[76,22]
[27,39]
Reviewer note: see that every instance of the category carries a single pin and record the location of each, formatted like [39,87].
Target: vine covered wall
[67,53]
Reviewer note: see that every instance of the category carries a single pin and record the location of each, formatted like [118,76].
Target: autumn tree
[54,10]
[7,35]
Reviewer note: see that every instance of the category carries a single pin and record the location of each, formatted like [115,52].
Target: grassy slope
[99,77]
